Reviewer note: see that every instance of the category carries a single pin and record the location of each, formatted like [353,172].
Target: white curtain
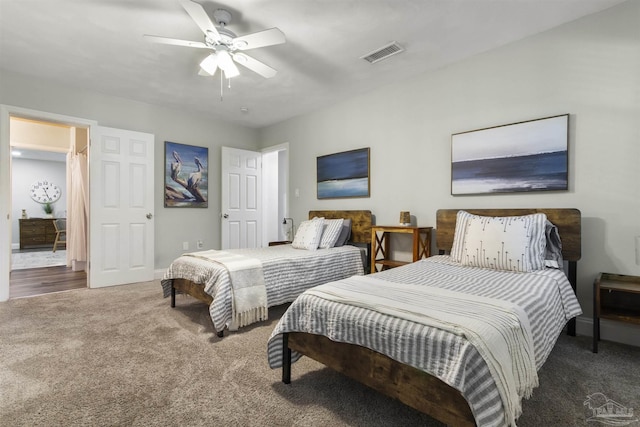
[77,209]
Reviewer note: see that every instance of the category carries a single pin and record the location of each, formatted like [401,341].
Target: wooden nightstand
[380,244]
[615,297]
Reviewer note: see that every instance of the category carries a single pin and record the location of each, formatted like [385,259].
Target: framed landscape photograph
[344,174]
[519,157]
[186,179]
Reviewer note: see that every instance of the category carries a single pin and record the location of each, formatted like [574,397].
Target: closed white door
[121,235]
[241,223]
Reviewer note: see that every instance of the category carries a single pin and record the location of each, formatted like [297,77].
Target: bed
[463,393]
[286,271]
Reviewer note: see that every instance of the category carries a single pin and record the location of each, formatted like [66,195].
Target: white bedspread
[249,294]
[498,329]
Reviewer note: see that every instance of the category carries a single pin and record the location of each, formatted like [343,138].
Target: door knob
[149,216]
[225,216]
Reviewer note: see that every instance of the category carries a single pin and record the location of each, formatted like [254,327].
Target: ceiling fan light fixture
[210,64]
[231,71]
[226,63]
[224,43]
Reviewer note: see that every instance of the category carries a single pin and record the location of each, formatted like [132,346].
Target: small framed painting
[519,157]
[186,179]
[344,174]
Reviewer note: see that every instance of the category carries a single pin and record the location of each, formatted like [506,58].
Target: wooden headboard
[360,223]
[567,220]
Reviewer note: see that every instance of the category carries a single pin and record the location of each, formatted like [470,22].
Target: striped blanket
[287,273]
[498,329]
[546,297]
[249,295]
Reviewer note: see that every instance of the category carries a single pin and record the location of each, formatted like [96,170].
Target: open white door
[121,235]
[241,197]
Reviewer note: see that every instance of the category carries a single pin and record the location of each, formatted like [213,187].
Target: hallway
[37,281]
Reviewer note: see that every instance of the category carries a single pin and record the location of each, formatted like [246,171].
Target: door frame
[6,112]
[286,203]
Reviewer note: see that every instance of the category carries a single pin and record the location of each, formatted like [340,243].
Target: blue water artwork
[523,157]
[343,174]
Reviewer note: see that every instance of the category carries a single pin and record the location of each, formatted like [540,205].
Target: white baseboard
[15,246]
[620,332]
[157,274]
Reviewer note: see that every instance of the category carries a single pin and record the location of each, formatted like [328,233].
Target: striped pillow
[330,233]
[512,243]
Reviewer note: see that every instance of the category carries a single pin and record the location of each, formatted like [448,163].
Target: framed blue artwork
[344,174]
[519,157]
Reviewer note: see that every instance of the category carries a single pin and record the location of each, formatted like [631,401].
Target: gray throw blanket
[249,295]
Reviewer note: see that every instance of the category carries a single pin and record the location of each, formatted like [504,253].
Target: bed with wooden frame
[412,386]
[361,221]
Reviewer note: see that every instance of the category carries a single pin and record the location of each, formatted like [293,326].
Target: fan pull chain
[221,86]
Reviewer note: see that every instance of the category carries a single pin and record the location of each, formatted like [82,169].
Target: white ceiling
[98,45]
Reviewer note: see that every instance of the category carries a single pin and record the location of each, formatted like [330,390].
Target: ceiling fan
[226,46]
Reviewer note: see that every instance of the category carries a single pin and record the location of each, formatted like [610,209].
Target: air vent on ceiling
[383,53]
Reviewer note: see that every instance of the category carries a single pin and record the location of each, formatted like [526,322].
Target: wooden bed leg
[173,296]
[286,360]
[573,279]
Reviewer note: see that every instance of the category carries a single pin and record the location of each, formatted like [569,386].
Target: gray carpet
[121,356]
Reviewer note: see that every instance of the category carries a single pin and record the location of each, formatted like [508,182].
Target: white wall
[172,225]
[589,68]
[24,173]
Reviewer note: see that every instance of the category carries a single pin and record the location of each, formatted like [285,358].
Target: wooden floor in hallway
[37,281]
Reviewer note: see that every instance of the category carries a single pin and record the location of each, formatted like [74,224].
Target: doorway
[37,147]
[254,196]
[114,256]
[275,182]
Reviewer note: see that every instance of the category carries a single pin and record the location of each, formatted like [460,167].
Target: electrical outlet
[199,244]
[185,246]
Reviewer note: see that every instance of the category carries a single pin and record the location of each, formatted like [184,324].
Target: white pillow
[512,243]
[308,235]
[331,232]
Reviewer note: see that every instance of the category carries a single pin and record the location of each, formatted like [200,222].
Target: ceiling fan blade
[175,42]
[254,65]
[198,14]
[260,39]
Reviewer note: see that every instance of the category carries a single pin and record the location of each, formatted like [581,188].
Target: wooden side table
[615,297]
[380,249]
